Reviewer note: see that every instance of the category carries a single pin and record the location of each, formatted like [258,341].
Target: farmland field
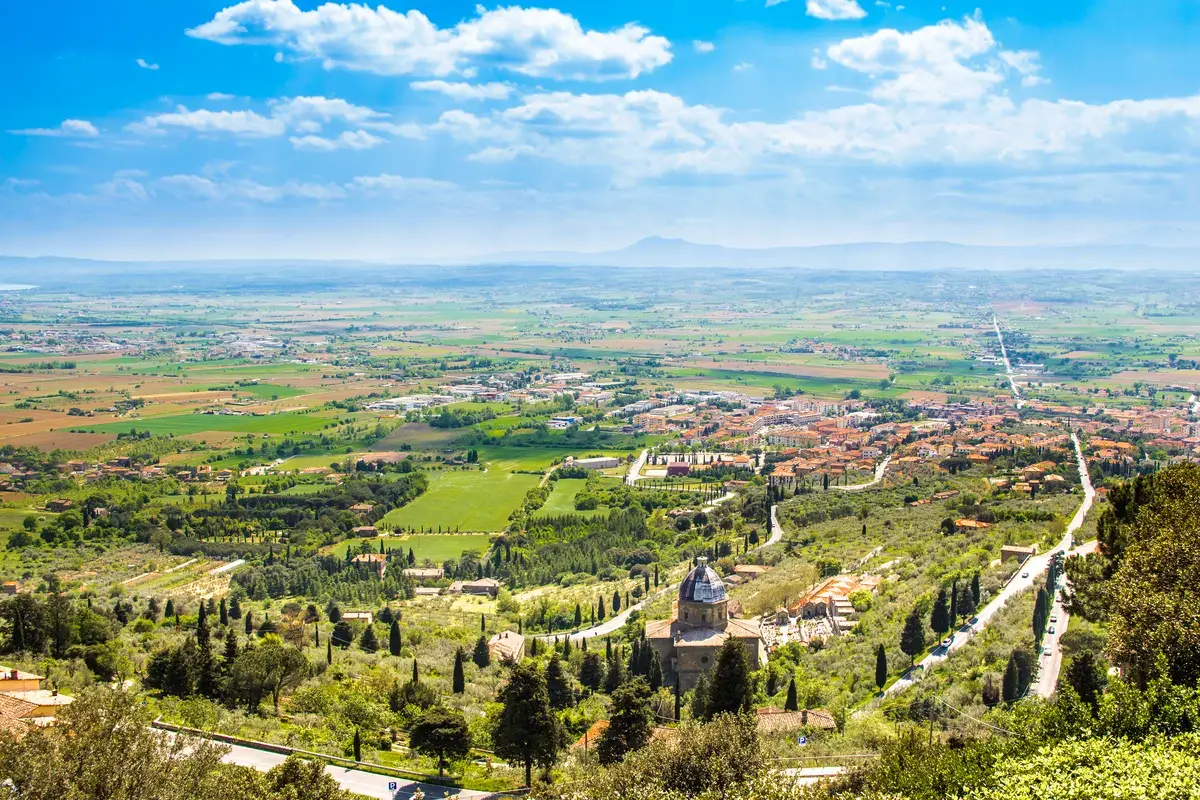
[464,500]
[433,546]
[180,424]
[562,499]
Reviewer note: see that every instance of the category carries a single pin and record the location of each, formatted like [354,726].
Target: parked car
[949,640]
[1054,617]
[1051,630]
[1025,574]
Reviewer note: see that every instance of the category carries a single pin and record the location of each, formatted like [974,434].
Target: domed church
[687,644]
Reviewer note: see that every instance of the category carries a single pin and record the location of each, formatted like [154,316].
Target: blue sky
[289,128]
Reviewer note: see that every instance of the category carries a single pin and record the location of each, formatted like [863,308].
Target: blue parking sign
[392,786]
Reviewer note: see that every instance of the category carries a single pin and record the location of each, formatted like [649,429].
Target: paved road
[879,470]
[1007,366]
[1050,666]
[635,469]
[1021,581]
[612,624]
[1195,406]
[776,532]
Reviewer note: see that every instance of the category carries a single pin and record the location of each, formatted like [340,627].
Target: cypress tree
[368,641]
[483,623]
[235,608]
[357,745]
[616,601]
[578,615]
[792,703]
[223,612]
[975,592]
[169,611]
[231,649]
[394,640]
[249,623]
[416,676]
[591,672]
[566,648]
[600,610]
[1008,691]
[678,700]
[328,651]
[939,618]
[954,605]
[655,673]
[460,678]
[881,667]
[730,690]
[699,704]
[912,638]
[534,648]
[482,655]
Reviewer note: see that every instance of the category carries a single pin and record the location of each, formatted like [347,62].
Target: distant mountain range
[657,252]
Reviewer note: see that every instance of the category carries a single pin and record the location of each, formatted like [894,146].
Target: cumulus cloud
[1027,63]
[199,187]
[247,124]
[217,97]
[648,134]
[540,43]
[70,128]
[835,9]
[703,47]
[465,91]
[349,140]
[936,64]
[144,64]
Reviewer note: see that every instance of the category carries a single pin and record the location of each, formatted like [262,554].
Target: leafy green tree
[591,671]
[912,638]
[730,690]
[1155,609]
[342,634]
[102,747]
[559,684]
[699,701]
[443,734]
[631,722]
[268,669]
[1087,677]
[368,641]
[527,731]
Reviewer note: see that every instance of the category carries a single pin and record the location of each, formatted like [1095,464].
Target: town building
[507,646]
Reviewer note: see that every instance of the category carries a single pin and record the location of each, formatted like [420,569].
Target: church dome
[702,585]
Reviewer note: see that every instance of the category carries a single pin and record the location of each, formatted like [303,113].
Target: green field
[180,424]
[435,547]
[465,500]
[562,499]
[268,391]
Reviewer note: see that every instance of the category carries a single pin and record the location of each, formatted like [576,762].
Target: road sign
[392,786]
[802,741]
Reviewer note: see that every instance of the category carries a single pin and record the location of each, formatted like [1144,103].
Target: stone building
[687,644]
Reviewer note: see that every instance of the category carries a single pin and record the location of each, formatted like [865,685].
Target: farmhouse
[507,646]
[374,561]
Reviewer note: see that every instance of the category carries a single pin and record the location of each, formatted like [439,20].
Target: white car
[1053,618]
[949,640]
[1047,651]
[1025,574]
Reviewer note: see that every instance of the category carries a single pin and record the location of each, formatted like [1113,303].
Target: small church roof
[702,585]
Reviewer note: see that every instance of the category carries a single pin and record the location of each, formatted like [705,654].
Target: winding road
[1050,665]
[879,470]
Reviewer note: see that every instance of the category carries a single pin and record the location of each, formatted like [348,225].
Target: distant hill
[660,252]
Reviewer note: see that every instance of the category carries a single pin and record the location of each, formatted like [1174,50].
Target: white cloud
[71,128]
[349,140]
[1027,63]
[835,9]
[703,47]
[198,187]
[818,62]
[144,64]
[247,124]
[396,184]
[742,66]
[936,64]
[219,96]
[540,43]
[465,91]
[294,110]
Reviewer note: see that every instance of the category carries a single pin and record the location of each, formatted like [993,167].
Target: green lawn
[465,500]
[180,424]
[562,499]
[435,547]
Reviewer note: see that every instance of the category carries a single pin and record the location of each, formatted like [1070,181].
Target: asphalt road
[635,469]
[879,471]
[1021,581]
[1007,366]
[1051,665]
[367,784]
